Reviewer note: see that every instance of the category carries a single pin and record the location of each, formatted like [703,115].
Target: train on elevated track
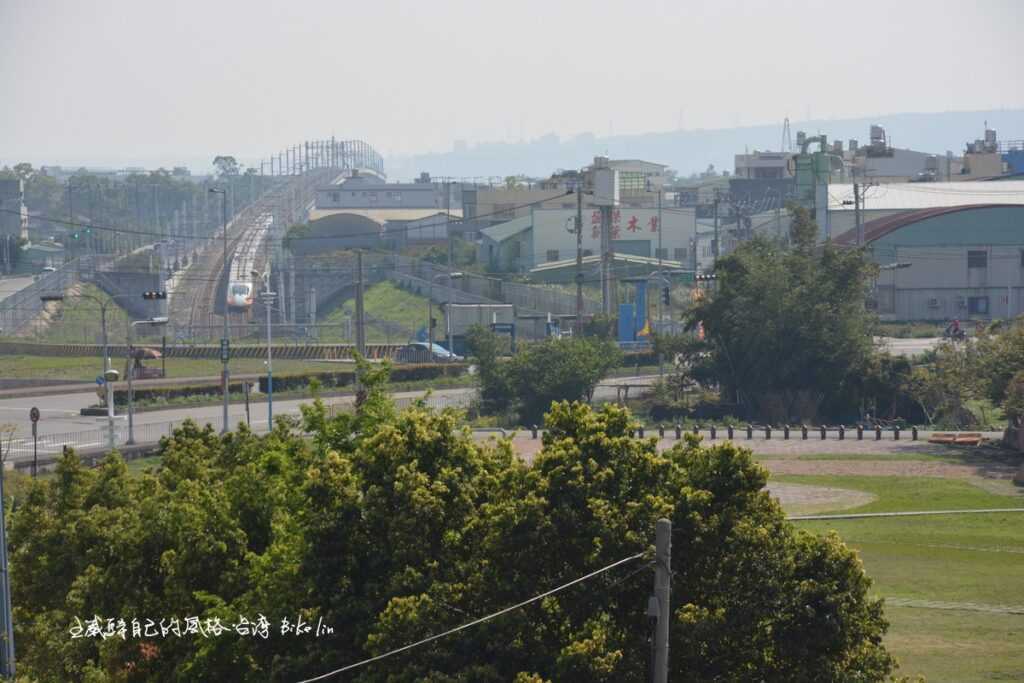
[241,283]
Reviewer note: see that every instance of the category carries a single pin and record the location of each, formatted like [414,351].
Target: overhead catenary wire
[475,622]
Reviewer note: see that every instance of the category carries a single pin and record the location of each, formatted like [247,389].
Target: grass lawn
[973,559]
[85,368]
[383,301]
[76,320]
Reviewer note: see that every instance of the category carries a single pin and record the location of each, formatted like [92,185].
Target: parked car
[422,352]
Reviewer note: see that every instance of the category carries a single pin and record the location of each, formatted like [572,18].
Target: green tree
[486,349]
[395,526]
[225,166]
[943,386]
[788,329]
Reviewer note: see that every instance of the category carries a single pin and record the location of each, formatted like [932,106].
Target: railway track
[203,302]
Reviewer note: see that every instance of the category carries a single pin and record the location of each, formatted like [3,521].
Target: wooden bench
[957,438]
[969,438]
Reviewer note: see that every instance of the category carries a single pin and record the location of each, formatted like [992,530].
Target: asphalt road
[61,421]
[908,347]
[11,285]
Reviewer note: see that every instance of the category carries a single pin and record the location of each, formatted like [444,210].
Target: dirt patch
[885,468]
[803,500]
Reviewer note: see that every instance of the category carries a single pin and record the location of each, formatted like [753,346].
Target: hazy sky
[135,81]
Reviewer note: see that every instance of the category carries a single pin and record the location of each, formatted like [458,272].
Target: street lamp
[109,374]
[448,313]
[225,276]
[162,320]
[268,299]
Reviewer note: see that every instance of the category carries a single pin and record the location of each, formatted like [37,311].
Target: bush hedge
[294,382]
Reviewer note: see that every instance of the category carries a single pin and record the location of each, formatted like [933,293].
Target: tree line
[394,526]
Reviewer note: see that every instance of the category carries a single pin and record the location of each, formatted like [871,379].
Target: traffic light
[665,299]
[704,277]
[154,296]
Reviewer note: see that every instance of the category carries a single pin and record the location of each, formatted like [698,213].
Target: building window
[661,253]
[680,254]
[977,304]
[977,259]
[552,255]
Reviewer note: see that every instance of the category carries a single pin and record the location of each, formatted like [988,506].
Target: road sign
[34,414]
[99,380]
[225,350]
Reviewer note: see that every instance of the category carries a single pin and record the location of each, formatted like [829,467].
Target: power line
[475,622]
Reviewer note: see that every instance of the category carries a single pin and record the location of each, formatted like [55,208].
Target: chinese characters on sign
[632,225]
[97,627]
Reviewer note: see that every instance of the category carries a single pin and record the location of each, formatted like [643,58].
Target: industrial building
[639,183]
[544,236]
[362,191]
[948,262]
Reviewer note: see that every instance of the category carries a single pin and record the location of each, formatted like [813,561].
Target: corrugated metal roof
[617,256]
[913,196]
[381,216]
[502,231]
[880,227]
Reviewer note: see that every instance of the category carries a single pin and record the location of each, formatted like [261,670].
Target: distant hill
[690,151]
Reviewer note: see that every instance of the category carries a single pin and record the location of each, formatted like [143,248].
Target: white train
[241,288]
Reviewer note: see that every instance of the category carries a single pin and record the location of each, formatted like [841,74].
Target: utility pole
[7,634]
[360,321]
[606,261]
[856,215]
[225,374]
[714,250]
[579,260]
[662,594]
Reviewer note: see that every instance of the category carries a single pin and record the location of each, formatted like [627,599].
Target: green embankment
[383,301]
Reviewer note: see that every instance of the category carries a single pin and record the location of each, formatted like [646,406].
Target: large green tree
[788,328]
[555,369]
[392,527]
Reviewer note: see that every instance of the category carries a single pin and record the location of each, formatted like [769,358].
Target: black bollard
[750,431]
[661,431]
[913,433]
[803,431]
[842,432]
[713,432]
[679,431]
[878,433]
[785,431]
[640,431]
[824,433]
[860,432]
[728,429]
[767,431]
[895,433]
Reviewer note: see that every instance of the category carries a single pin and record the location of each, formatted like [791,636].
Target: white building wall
[551,230]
